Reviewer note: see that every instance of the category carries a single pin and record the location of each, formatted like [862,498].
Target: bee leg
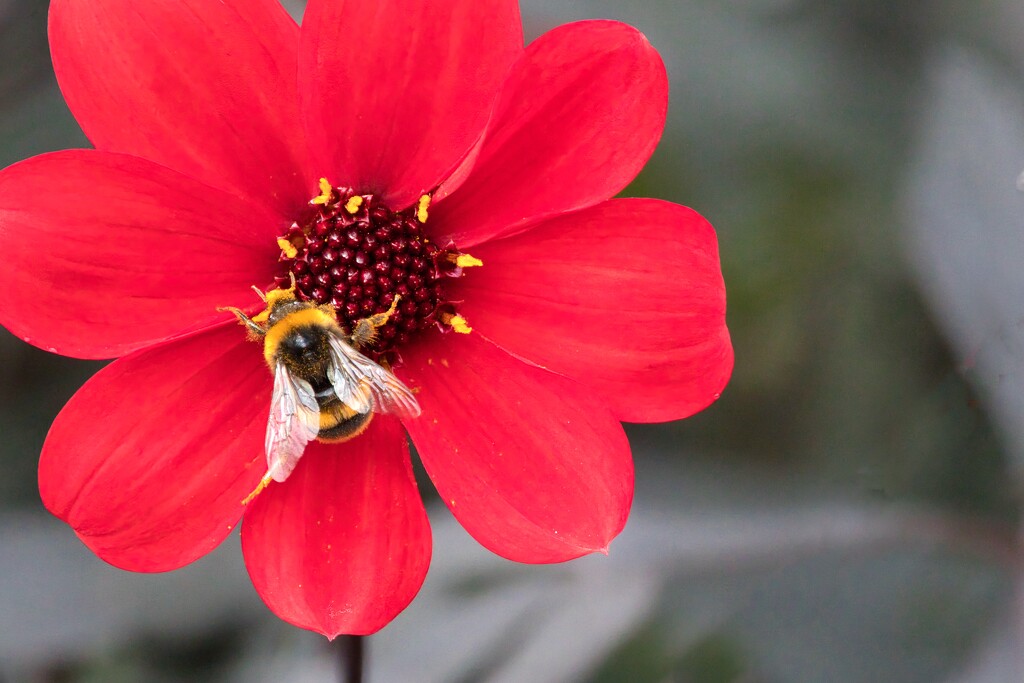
[253,326]
[365,331]
[264,482]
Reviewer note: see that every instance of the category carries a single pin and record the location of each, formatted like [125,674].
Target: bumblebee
[324,388]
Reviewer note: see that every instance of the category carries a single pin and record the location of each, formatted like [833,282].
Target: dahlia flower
[391,150]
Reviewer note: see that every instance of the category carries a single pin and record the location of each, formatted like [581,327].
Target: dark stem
[350,658]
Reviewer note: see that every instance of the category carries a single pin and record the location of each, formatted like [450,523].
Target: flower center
[357,255]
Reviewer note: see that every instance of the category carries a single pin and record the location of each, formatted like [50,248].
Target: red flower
[213,121]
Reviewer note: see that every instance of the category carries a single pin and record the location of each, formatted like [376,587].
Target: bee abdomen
[338,422]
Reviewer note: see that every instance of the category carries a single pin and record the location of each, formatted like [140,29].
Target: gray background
[846,512]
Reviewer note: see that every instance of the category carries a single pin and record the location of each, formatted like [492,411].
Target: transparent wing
[363,385]
[294,422]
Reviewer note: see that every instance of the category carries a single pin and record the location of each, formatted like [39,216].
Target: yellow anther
[264,482]
[464,260]
[421,208]
[326,192]
[456,322]
[353,204]
[287,248]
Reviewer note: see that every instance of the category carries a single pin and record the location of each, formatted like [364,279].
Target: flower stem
[350,659]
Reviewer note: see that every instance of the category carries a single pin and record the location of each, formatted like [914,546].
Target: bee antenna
[260,294]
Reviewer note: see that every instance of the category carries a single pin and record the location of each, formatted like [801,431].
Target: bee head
[279,302]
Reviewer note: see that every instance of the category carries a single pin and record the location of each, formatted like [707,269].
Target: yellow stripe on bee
[337,413]
[300,318]
[359,429]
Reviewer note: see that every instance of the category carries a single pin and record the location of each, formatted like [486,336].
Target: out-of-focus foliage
[844,513]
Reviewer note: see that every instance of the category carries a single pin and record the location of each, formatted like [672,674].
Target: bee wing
[363,385]
[294,422]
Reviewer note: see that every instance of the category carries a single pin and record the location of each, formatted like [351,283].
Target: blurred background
[847,511]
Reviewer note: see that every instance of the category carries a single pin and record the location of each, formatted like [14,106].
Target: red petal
[343,545]
[533,467]
[395,93]
[206,88]
[578,118]
[150,460]
[625,297]
[108,253]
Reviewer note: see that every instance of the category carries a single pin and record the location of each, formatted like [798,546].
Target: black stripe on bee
[338,422]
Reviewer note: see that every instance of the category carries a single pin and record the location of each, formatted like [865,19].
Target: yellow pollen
[353,204]
[457,323]
[287,248]
[464,260]
[326,192]
[421,208]
[272,296]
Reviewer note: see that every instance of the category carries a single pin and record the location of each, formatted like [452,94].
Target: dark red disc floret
[357,255]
